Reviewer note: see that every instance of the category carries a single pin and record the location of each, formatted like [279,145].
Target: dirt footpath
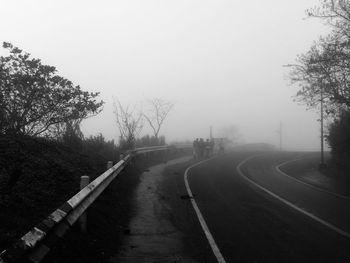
[152,236]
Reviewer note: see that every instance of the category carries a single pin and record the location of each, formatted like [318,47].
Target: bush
[98,145]
[36,176]
[339,140]
[147,140]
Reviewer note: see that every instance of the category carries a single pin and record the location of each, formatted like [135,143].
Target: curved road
[250,225]
[330,208]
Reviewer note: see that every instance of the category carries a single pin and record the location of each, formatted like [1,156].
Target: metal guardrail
[35,244]
[150,149]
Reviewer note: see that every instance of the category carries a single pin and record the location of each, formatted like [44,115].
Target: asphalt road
[333,209]
[249,225]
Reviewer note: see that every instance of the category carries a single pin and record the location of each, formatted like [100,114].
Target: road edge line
[323,222]
[277,168]
[204,225]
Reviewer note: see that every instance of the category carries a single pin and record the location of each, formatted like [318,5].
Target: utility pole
[211,133]
[280,136]
[279,131]
[322,164]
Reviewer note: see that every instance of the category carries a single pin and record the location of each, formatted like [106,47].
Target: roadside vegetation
[43,151]
[323,73]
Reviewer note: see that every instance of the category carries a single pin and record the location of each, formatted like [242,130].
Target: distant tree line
[325,71]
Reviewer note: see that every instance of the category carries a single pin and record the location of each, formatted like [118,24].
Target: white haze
[220,62]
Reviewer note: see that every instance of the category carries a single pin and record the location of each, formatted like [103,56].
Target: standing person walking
[207,148]
[195,148]
[212,144]
[201,147]
[221,146]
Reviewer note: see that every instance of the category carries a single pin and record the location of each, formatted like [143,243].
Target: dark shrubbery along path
[108,218]
[38,175]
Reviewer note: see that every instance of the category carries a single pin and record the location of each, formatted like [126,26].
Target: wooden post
[84,181]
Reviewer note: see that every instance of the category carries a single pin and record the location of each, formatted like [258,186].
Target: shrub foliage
[339,139]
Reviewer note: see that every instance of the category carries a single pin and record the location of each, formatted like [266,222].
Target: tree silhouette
[33,98]
[326,65]
[129,122]
[157,112]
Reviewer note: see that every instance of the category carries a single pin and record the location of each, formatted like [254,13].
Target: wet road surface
[251,226]
[333,209]
[247,224]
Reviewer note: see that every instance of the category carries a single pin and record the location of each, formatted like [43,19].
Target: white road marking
[310,185]
[205,228]
[323,222]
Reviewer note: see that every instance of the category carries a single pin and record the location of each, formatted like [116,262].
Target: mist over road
[249,225]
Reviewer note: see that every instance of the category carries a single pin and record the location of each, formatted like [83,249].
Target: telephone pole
[322,164]
[280,136]
[279,131]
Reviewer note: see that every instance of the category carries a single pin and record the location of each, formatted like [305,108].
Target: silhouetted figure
[207,148]
[221,146]
[195,148]
[212,144]
[201,147]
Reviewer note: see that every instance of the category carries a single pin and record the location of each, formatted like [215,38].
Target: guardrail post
[109,164]
[84,181]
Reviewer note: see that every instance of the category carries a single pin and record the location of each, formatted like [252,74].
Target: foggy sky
[220,62]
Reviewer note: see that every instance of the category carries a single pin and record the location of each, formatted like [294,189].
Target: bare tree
[157,112]
[129,120]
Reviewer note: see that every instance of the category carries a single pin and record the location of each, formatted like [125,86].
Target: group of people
[203,148]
